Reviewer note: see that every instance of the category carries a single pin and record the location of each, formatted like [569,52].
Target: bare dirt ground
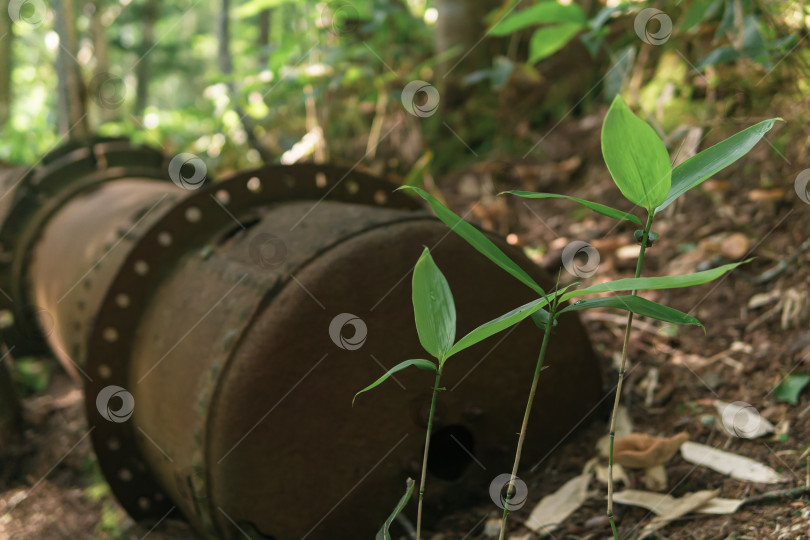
[757,334]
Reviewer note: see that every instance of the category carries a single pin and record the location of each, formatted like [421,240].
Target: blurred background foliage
[245,82]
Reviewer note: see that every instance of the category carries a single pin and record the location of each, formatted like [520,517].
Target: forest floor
[758,332]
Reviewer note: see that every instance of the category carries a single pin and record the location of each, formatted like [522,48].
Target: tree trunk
[72,92]
[100,52]
[143,70]
[461,25]
[264,39]
[9,405]
[226,67]
[6,62]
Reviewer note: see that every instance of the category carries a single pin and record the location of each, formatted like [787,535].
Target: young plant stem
[427,448]
[622,367]
[510,490]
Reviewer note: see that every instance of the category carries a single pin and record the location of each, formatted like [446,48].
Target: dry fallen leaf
[684,505]
[741,420]
[655,478]
[600,472]
[642,451]
[739,467]
[553,509]
[660,503]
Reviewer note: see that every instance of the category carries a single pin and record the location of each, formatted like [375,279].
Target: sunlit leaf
[596,207]
[649,283]
[476,239]
[433,309]
[637,305]
[635,156]
[702,166]
[383,533]
[542,13]
[550,39]
[418,363]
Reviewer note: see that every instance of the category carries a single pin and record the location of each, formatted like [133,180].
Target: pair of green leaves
[434,313]
[639,163]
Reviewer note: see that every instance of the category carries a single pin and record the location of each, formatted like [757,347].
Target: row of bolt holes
[125,475]
[194,215]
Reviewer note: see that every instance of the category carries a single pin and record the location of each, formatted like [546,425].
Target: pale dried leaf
[739,467]
[600,472]
[682,506]
[655,478]
[739,419]
[660,503]
[553,509]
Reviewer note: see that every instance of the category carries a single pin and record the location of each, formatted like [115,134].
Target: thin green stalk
[617,399]
[427,447]
[511,489]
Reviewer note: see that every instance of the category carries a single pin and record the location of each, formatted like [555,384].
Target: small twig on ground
[778,494]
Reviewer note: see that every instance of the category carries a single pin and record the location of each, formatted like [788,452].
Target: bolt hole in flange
[451,451]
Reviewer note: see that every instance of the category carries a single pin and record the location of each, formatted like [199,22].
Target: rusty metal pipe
[224,331]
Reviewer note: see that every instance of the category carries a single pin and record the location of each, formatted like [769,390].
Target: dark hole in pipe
[451,451]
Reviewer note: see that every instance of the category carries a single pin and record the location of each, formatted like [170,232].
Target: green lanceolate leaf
[383,533]
[476,239]
[648,283]
[596,207]
[542,13]
[638,305]
[505,321]
[702,166]
[550,39]
[433,308]
[419,363]
[635,156]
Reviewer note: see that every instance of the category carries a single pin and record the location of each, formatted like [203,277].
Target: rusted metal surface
[217,316]
[55,214]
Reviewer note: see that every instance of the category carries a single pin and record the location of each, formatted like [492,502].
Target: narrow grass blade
[596,207]
[637,305]
[476,239]
[503,322]
[383,533]
[419,363]
[662,282]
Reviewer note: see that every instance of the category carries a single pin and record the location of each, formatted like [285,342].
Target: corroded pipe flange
[32,198]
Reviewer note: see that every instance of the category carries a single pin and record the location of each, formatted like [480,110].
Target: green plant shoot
[639,165]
